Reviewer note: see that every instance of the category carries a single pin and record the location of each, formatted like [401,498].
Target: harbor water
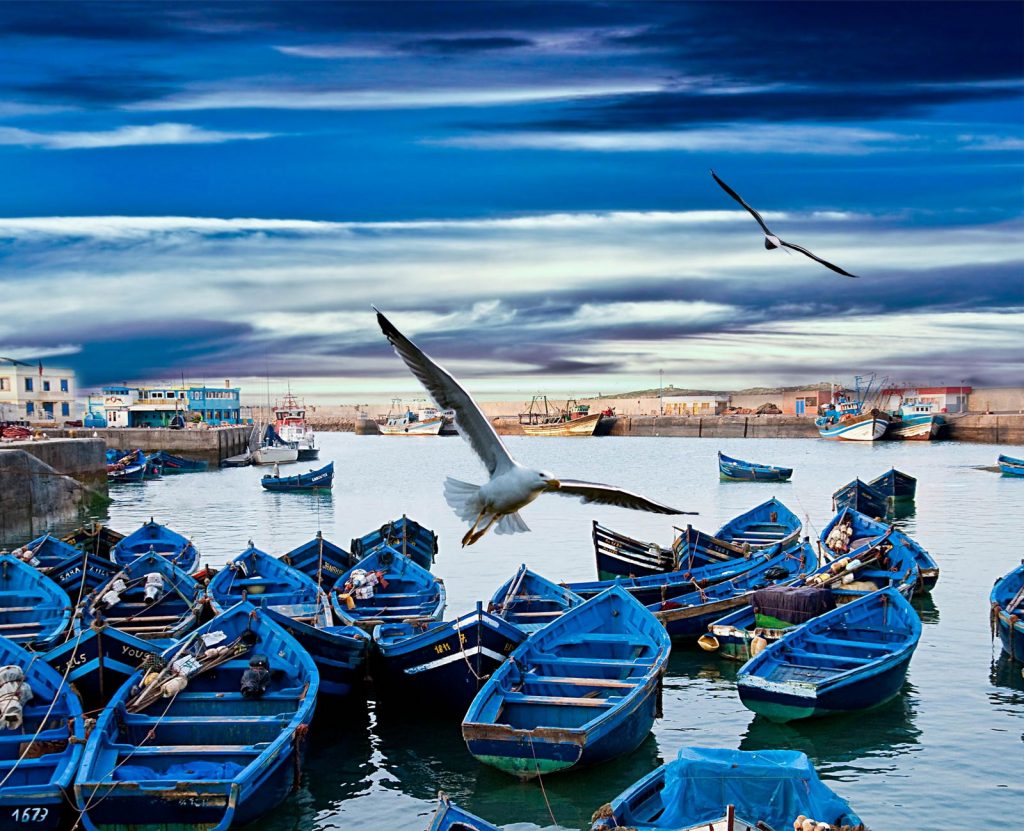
[946,754]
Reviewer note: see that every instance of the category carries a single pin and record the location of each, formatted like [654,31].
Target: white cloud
[126,136]
[734,138]
[991,143]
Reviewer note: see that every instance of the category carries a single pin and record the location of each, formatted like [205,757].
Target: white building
[694,404]
[36,393]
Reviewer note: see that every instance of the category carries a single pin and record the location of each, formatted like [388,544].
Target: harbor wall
[211,444]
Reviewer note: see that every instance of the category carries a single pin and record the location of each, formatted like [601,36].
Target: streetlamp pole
[661,392]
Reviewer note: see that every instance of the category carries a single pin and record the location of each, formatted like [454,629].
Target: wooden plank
[556,701]
[585,682]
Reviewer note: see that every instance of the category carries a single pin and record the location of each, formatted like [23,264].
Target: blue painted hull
[1011,636]
[315,480]
[862,498]
[404,535]
[34,611]
[160,539]
[450,817]
[177,464]
[1011,466]
[895,485]
[82,573]
[320,559]
[1007,600]
[741,471]
[340,655]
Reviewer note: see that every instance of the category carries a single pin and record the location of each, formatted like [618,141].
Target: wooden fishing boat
[95,538]
[152,536]
[314,480]
[386,587]
[128,467]
[850,659]
[177,464]
[405,536]
[150,598]
[774,611]
[34,611]
[41,743]
[530,601]
[665,586]
[582,690]
[895,485]
[443,663]
[914,421]
[44,552]
[862,498]
[222,748]
[299,605]
[450,817]
[739,471]
[712,789]
[762,526]
[80,574]
[1011,466]
[574,419]
[849,531]
[320,559]
[1007,599]
[688,615]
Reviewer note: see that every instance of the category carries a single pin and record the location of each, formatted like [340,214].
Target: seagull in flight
[770,240]
[511,486]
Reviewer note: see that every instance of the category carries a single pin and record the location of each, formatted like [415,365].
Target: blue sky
[221,190]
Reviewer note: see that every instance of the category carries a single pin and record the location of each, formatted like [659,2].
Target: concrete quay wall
[81,459]
[212,445]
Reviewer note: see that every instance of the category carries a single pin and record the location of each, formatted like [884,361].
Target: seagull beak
[553,484]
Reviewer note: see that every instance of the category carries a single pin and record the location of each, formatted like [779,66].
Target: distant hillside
[672,390]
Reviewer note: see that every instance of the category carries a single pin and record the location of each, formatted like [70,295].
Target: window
[46,386]
[64,385]
[30,408]
[65,409]
[5,384]
[28,385]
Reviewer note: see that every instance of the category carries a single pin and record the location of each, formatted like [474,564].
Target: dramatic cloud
[127,136]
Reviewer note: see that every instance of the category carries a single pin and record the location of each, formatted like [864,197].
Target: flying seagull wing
[609,495]
[739,199]
[448,395]
[816,258]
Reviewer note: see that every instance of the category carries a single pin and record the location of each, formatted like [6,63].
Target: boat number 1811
[30,814]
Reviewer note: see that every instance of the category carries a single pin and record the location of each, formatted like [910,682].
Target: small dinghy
[582,690]
[152,536]
[34,611]
[315,480]
[42,733]
[177,464]
[764,525]
[297,604]
[712,789]
[320,559]
[860,497]
[1007,599]
[450,817]
[443,663]
[150,598]
[688,615]
[405,536]
[736,470]
[127,467]
[214,739]
[1011,466]
[850,531]
[530,601]
[387,588]
[846,660]
[895,486]
[95,538]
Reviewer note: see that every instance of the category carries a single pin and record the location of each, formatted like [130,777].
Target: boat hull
[737,470]
[431,427]
[576,427]
[922,427]
[1011,466]
[1011,635]
[339,656]
[867,427]
[273,456]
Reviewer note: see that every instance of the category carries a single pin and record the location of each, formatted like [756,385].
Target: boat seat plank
[585,682]
[556,701]
[841,642]
[823,656]
[548,658]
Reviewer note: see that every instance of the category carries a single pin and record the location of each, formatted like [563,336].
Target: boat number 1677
[30,814]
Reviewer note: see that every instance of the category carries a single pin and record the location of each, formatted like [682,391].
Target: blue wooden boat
[582,690]
[80,574]
[405,536]
[150,598]
[34,611]
[44,552]
[221,751]
[862,498]
[321,479]
[40,746]
[400,592]
[94,538]
[688,615]
[1007,599]
[849,531]
[737,470]
[531,601]
[762,526]
[320,559]
[450,817]
[895,485]
[97,660]
[773,611]
[443,663]
[177,464]
[704,789]
[295,602]
[1011,466]
[152,536]
[126,467]
[850,659]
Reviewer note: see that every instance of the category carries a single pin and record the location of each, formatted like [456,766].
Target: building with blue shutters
[128,406]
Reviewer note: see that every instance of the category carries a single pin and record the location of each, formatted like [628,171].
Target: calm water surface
[942,756]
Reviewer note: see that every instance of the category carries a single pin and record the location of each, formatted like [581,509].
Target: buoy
[709,643]
[757,645]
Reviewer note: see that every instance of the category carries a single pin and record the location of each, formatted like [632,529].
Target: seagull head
[547,482]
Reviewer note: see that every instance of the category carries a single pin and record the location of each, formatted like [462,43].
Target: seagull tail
[511,524]
[463,498]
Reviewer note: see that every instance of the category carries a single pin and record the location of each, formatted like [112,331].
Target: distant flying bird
[511,486]
[770,240]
